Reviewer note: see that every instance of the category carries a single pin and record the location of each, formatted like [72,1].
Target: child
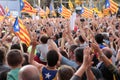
[14,60]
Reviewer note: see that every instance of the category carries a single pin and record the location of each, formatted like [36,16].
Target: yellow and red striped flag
[87,13]
[47,11]
[21,31]
[42,13]
[70,5]
[113,6]
[66,13]
[26,7]
[1,18]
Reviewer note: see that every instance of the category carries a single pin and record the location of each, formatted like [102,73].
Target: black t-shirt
[96,72]
[106,73]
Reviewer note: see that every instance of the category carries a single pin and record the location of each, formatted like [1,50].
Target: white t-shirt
[43,50]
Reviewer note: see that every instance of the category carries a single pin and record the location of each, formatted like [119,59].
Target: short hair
[2,55]
[65,72]
[52,58]
[26,58]
[107,52]
[16,46]
[14,57]
[72,48]
[79,54]
[64,53]
[81,39]
[25,48]
[44,39]
[99,38]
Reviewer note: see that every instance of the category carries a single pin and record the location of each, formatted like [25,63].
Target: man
[29,72]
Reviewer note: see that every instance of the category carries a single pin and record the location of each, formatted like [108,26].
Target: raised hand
[87,61]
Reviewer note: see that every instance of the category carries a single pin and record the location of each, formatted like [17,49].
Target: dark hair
[64,53]
[16,46]
[2,55]
[81,39]
[72,48]
[14,57]
[56,36]
[26,58]
[52,58]
[44,39]
[99,38]
[79,54]
[25,48]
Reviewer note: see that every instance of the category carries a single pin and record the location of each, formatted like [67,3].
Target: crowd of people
[90,51]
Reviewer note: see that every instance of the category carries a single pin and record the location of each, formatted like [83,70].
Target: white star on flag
[17,27]
[47,75]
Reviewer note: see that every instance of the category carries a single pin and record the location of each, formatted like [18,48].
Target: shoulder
[10,76]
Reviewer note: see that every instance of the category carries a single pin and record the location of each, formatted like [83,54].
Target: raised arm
[31,55]
[87,62]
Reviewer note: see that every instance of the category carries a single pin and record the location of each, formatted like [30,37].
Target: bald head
[108,52]
[29,72]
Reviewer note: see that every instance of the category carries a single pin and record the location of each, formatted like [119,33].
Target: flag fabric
[85,12]
[51,7]
[66,13]
[21,5]
[26,7]
[52,11]
[72,21]
[1,18]
[70,5]
[47,11]
[107,4]
[78,2]
[21,31]
[113,6]
[110,5]
[2,12]
[42,13]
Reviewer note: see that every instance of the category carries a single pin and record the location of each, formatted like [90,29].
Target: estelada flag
[63,11]
[26,7]
[21,31]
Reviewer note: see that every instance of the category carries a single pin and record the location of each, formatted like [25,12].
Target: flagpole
[61,5]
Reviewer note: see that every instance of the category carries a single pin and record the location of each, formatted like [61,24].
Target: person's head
[14,58]
[65,72]
[26,58]
[71,50]
[64,53]
[44,39]
[52,58]
[24,47]
[81,39]
[16,46]
[99,38]
[108,52]
[79,55]
[29,72]
[2,55]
